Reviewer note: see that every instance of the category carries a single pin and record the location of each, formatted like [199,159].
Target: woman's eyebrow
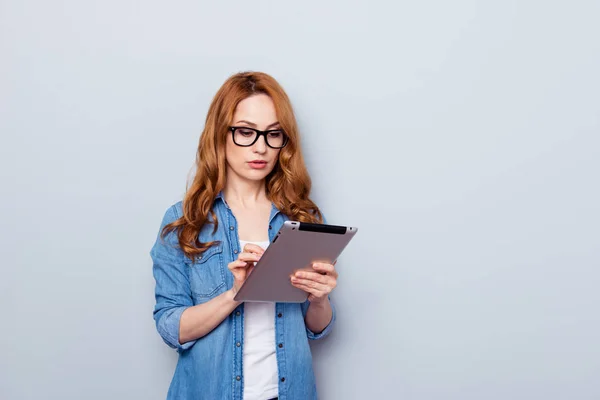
[252,124]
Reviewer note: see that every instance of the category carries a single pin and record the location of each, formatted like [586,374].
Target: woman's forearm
[318,315]
[199,320]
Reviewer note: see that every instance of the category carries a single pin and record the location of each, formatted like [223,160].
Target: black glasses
[245,137]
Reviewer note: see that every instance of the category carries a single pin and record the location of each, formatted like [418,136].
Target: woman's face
[254,162]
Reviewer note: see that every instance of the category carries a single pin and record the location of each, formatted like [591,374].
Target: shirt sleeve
[172,290]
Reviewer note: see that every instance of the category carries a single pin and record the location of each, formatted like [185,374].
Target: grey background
[462,138]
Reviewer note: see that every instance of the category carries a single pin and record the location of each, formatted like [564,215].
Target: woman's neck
[245,193]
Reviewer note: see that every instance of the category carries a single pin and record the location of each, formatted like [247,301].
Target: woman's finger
[312,292]
[238,264]
[325,268]
[315,276]
[304,287]
[312,285]
[249,257]
[253,248]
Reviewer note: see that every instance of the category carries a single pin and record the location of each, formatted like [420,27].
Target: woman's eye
[275,134]
[245,132]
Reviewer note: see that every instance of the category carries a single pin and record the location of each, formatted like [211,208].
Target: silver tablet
[296,246]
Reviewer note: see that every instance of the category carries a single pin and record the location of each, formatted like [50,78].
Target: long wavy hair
[288,185]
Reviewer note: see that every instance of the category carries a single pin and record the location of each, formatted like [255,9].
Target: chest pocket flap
[207,274]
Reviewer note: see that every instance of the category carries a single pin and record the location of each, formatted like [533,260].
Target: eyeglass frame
[259,133]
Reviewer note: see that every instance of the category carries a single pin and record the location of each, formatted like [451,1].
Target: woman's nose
[261,145]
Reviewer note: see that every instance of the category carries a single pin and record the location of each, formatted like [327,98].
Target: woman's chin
[255,175]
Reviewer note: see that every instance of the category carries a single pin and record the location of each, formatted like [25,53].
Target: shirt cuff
[168,328]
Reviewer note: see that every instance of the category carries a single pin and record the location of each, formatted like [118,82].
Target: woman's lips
[257,164]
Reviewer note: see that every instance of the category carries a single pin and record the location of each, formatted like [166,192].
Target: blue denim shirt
[211,367]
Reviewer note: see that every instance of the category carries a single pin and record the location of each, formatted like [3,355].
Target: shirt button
[237,313]
[238,344]
[280,315]
[237,378]
[235,251]
[231,228]
[270,227]
[282,379]
[280,345]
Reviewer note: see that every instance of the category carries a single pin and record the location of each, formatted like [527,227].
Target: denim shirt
[211,367]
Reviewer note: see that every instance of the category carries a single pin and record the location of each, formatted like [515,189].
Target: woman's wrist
[230,295]
[320,303]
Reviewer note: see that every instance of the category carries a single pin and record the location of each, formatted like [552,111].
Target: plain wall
[462,138]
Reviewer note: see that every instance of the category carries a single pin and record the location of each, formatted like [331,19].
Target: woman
[250,178]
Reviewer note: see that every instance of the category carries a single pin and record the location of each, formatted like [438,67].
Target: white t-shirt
[259,357]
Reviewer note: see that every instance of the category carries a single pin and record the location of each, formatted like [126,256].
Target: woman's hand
[243,266]
[318,283]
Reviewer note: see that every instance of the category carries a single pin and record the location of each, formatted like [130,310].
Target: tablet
[296,246]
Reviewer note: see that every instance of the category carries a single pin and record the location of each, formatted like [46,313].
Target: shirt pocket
[207,274]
